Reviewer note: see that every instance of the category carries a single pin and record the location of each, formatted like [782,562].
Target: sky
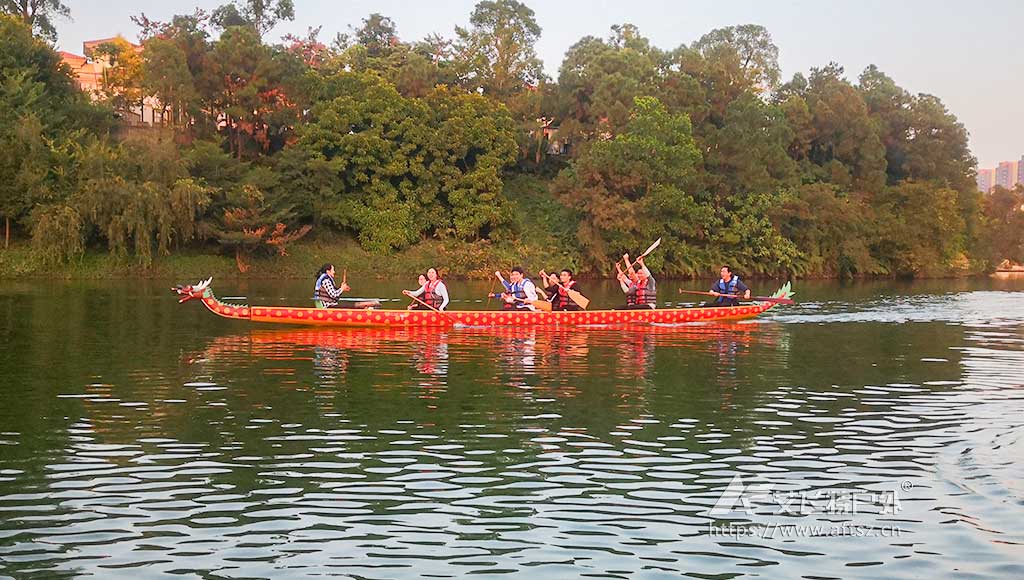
[966,53]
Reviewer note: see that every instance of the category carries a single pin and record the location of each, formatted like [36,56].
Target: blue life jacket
[518,289]
[727,288]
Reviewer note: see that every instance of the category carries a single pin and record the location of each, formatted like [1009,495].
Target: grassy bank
[544,236]
[457,259]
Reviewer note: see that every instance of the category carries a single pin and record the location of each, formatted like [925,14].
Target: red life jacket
[430,295]
[564,301]
[641,296]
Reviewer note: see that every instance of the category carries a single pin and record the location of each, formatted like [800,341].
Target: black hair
[726,266]
[518,269]
[324,269]
[567,271]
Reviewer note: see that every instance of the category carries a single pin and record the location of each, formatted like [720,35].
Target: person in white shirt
[520,292]
[432,291]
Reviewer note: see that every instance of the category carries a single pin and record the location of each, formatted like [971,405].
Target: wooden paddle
[538,304]
[580,300]
[650,249]
[448,316]
[737,296]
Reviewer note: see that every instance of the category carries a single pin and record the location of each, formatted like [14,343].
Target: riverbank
[456,259]
[460,260]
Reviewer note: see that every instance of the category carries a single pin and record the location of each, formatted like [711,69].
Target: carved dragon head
[193,291]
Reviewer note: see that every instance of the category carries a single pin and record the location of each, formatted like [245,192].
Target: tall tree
[122,79]
[634,185]
[601,78]
[37,14]
[748,153]
[378,34]
[846,145]
[243,86]
[166,75]
[752,45]
[262,15]
[498,48]
[41,112]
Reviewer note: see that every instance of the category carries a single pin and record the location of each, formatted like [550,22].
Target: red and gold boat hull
[466,318]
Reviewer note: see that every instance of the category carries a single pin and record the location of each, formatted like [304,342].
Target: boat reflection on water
[514,356]
[597,378]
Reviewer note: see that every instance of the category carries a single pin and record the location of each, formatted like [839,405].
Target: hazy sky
[967,53]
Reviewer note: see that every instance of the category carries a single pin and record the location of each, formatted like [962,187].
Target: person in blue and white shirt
[520,292]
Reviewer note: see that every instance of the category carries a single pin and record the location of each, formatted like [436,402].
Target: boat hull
[294,315]
[471,318]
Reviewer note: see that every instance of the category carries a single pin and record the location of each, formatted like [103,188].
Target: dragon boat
[296,315]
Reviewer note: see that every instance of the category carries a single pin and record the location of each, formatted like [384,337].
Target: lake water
[872,430]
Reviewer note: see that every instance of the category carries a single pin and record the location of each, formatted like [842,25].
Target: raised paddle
[650,249]
[739,297]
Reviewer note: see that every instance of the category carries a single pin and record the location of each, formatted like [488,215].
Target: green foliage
[37,15]
[137,197]
[443,144]
[392,168]
[166,75]
[599,80]
[42,119]
[748,153]
[122,81]
[1003,237]
[58,233]
[829,229]
[261,15]
[250,226]
[920,230]
[627,187]
[750,46]
[498,49]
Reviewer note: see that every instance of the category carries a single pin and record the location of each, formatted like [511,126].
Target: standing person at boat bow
[728,284]
[432,291]
[641,290]
[325,292]
[520,292]
[557,289]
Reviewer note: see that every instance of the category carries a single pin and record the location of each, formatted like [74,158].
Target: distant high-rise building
[1006,174]
[1020,170]
[986,179]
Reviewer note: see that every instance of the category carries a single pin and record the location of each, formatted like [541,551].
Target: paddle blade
[580,300]
[542,305]
[652,247]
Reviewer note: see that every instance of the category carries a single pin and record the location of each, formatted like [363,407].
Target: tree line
[393,142]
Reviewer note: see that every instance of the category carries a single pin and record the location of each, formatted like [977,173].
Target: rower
[557,289]
[640,288]
[326,294]
[728,284]
[432,291]
[520,292]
